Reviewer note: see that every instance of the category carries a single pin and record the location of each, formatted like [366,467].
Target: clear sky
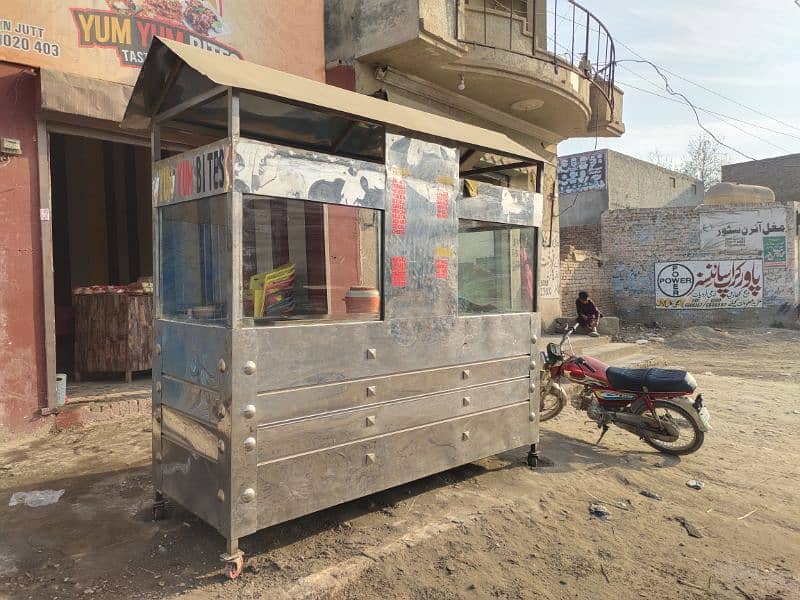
[746,50]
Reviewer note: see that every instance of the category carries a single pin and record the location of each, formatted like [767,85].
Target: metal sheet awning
[72,94]
[168,61]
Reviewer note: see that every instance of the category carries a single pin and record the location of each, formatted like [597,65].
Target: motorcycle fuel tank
[586,370]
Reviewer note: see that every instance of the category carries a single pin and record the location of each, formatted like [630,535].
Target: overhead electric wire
[744,131]
[702,108]
[709,90]
[689,103]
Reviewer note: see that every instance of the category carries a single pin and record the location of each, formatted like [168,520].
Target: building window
[496,267]
[694,189]
[309,261]
[672,181]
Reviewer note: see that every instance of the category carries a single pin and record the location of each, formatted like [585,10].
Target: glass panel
[196,260]
[310,261]
[496,267]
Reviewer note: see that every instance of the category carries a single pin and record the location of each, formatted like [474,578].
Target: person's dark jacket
[587,309]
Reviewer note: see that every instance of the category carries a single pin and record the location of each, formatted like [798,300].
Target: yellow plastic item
[259,281]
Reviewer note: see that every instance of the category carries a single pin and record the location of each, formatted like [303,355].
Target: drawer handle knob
[466,401]
[465,374]
[370,421]
[372,353]
[371,390]
[369,458]
[465,436]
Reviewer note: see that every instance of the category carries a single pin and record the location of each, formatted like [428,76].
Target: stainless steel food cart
[345,291]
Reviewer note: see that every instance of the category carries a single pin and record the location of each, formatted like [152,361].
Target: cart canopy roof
[285,108]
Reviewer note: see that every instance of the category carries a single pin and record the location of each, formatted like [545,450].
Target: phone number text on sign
[26,38]
[708,284]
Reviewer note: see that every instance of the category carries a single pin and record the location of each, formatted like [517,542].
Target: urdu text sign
[709,284]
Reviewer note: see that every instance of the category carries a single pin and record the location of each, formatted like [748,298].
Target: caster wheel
[234,568]
[533,460]
[159,511]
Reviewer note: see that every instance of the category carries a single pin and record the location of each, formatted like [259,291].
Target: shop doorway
[102,236]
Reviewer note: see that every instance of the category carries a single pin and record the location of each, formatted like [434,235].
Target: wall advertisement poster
[709,284]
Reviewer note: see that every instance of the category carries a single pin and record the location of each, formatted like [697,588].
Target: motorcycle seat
[651,380]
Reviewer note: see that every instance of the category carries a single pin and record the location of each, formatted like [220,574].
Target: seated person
[588,315]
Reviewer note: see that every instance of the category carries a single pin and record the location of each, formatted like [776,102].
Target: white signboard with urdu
[741,229]
[707,284]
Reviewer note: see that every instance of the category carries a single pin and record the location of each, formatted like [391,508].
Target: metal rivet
[249,411]
[248,495]
[249,443]
[158,348]
[369,458]
[219,411]
[158,386]
[465,436]
[222,366]
[371,390]
[221,445]
[372,353]
[465,374]
[158,456]
[534,339]
[249,367]
[370,421]
[157,417]
[221,495]
[466,400]
[533,365]
[532,387]
[532,416]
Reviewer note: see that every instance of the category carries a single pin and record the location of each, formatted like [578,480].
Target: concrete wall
[634,240]
[22,360]
[634,183]
[583,268]
[354,28]
[781,174]
[629,183]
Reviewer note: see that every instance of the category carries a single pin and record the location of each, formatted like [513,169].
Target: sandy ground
[493,529]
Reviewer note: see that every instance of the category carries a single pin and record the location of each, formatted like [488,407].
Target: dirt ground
[493,529]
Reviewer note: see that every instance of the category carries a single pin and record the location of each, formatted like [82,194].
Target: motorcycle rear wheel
[690,437]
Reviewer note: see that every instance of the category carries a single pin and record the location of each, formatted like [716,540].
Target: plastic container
[61,389]
[361,299]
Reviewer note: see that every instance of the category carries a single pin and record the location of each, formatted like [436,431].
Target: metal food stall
[345,292]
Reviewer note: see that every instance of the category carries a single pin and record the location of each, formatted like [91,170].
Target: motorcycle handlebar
[568,333]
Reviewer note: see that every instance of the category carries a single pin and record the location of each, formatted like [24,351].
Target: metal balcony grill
[567,35]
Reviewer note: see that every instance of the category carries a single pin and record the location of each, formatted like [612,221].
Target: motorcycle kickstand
[605,429]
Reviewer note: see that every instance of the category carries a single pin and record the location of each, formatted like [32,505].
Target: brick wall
[634,240]
[781,174]
[583,268]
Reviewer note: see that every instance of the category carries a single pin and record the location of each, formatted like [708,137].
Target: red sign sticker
[442,265]
[399,271]
[442,202]
[398,207]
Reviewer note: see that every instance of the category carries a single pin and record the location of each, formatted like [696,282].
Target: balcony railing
[567,33]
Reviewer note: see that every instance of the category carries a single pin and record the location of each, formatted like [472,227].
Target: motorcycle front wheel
[690,436]
[552,403]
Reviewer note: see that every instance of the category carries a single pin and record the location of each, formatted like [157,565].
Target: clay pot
[363,299]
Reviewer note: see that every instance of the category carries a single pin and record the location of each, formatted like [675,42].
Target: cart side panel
[295,356]
[193,414]
[309,482]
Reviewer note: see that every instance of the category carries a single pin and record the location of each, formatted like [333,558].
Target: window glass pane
[195,260]
[310,261]
[496,267]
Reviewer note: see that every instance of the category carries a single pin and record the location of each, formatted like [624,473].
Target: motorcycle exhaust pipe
[638,423]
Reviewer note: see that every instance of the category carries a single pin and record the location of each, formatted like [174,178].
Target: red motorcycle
[651,403]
